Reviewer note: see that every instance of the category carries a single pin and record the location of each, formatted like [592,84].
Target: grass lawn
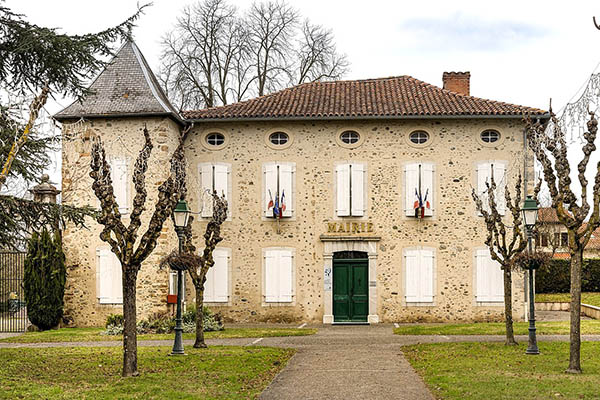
[94,373]
[591,298]
[93,335]
[588,327]
[491,371]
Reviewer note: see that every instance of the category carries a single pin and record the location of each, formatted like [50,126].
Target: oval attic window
[419,137]
[279,138]
[490,136]
[215,139]
[350,137]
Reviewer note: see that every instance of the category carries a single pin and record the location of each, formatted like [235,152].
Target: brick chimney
[458,82]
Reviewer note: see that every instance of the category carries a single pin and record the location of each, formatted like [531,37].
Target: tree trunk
[199,343]
[510,335]
[130,323]
[575,335]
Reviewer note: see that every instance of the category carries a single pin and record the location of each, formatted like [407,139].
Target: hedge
[554,277]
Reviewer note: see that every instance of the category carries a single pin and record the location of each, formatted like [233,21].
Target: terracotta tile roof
[126,86]
[547,214]
[394,97]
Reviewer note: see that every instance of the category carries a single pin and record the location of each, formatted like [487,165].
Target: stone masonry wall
[121,137]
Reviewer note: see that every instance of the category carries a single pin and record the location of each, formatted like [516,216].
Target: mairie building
[349,201]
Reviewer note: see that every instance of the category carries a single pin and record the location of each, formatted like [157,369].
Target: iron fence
[13,313]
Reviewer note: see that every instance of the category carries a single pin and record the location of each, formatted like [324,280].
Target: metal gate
[13,313]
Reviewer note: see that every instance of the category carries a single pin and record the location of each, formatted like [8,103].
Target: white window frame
[227,252]
[267,215]
[500,185]
[488,300]
[113,161]
[115,269]
[420,250]
[292,252]
[409,211]
[365,188]
[202,194]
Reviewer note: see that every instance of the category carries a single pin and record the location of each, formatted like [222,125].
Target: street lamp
[181,215]
[530,211]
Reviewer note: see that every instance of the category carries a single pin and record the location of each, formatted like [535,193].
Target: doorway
[350,286]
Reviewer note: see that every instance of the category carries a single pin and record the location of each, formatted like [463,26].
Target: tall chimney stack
[458,82]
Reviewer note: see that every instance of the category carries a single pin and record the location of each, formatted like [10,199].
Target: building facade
[349,201]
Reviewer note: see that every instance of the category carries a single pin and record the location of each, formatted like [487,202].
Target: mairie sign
[349,227]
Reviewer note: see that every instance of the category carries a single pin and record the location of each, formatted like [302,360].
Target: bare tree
[504,246]
[549,145]
[123,239]
[212,237]
[215,55]
[317,55]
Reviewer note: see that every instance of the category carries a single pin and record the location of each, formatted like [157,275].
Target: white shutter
[358,194]
[271,276]
[172,283]
[117,280]
[483,289]
[209,284]
[222,179]
[286,178]
[103,271]
[411,183]
[220,279]
[426,276]
[206,172]
[499,178]
[286,278]
[497,280]
[411,260]
[427,179]
[483,175]
[342,172]
[118,175]
[270,186]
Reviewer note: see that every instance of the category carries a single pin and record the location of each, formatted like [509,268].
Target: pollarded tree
[549,144]
[123,239]
[504,242]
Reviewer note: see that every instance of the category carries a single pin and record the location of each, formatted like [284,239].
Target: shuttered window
[279,187]
[419,184]
[216,287]
[419,265]
[484,174]
[120,180]
[350,187]
[490,279]
[278,275]
[214,177]
[109,284]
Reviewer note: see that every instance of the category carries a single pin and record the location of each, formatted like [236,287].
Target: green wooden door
[350,290]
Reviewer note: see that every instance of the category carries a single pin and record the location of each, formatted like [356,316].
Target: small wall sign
[350,227]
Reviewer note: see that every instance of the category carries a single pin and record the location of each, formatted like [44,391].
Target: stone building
[371,180]
[553,237]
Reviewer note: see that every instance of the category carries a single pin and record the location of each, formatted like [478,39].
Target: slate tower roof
[126,87]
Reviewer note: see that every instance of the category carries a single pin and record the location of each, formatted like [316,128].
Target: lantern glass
[530,210]
[181,214]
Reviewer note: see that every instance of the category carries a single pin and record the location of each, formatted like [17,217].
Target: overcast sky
[521,52]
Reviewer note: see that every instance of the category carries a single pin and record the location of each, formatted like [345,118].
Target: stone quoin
[349,201]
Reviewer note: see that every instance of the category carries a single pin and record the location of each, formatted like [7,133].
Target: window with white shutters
[109,284]
[216,287]
[419,188]
[485,171]
[120,180]
[489,278]
[214,177]
[419,267]
[278,275]
[279,188]
[173,283]
[350,188]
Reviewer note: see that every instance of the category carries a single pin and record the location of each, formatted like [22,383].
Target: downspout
[525,187]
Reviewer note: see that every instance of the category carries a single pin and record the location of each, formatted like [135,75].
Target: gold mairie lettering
[331,227]
[355,228]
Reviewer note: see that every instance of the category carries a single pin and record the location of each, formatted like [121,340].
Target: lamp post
[530,210]
[181,215]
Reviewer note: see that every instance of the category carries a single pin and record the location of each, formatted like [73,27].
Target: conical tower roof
[126,87]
